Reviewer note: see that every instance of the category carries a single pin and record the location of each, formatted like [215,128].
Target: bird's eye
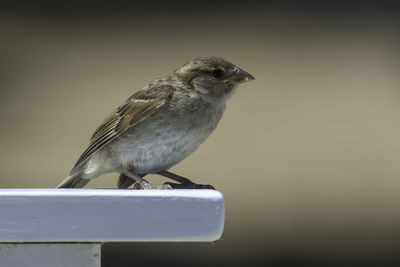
[217,73]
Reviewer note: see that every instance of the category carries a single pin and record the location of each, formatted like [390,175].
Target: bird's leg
[184,183]
[124,181]
[142,183]
[175,177]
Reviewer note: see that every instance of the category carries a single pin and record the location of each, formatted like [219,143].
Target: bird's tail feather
[73,181]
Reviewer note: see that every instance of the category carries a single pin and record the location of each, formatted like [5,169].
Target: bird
[160,125]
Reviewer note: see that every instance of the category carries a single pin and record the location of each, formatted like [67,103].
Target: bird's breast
[165,139]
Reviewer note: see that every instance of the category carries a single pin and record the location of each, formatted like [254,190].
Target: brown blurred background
[307,155]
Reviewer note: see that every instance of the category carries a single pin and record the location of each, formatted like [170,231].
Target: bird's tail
[73,181]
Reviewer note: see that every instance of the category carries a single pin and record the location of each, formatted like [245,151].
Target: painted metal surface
[110,215]
[50,255]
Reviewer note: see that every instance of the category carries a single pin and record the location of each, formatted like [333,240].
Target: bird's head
[212,77]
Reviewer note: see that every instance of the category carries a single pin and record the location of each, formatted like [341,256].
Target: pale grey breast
[160,143]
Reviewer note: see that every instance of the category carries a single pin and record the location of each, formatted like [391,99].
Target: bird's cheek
[203,85]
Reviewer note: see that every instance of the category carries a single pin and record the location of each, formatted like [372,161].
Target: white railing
[66,227]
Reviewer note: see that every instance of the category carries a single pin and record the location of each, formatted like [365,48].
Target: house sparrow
[160,125]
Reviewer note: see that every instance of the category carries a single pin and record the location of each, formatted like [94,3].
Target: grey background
[307,155]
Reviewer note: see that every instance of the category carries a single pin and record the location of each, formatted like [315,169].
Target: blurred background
[307,155]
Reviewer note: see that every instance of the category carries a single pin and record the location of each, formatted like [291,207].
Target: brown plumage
[137,108]
[138,137]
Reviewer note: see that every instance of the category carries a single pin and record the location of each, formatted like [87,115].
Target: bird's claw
[152,187]
[189,186]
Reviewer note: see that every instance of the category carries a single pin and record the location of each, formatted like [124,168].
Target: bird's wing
[137,108]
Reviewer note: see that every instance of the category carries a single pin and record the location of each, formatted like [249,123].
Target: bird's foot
[183,183]
[189,186]
[151,187]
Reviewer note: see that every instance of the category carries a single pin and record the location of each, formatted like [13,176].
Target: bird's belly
[161,150]
[155,145]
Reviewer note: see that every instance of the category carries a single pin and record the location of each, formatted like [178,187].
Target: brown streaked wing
[137,108]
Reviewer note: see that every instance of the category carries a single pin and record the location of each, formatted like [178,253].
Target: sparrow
[159,126]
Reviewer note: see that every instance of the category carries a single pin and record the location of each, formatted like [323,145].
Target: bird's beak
[238,76]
